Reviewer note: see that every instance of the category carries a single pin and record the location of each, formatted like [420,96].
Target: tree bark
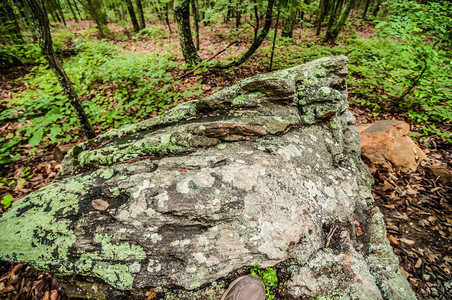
[324,6]
[334,13]
[140,14]
[194,5]
[45,41]
[133,17]
[332,34]
[182,17]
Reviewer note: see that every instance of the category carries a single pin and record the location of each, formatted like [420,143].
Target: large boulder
[266,172]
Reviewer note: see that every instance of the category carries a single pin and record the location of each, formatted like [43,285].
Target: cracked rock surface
[267,172]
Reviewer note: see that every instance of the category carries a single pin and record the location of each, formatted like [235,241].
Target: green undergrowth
[116,87]
[268,277]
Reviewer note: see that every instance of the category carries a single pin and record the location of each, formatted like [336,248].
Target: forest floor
[417,207]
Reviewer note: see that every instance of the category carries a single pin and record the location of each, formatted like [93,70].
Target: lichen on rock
[267,171]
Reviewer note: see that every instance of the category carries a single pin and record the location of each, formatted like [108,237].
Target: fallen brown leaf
[392,240]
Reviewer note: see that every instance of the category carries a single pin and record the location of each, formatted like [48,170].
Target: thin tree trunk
[256,16]
[332,34]
[25,18]
[45,41]
[196,21]
[60,10]
[182,17]
[324,6]
[72,10]
[238,14]
[77,9]
[289,19]
[334,13]
[49,6]
[376,8]
[167,17]
[92,9]
[274,40]
[133,17]
[140,14]
[256,44]
[366,8]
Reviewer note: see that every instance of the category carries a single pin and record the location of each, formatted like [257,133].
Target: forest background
[129,61]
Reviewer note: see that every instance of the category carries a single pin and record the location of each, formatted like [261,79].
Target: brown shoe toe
[245,288]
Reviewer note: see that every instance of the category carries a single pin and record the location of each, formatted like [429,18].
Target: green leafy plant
[6,201]
[268,277]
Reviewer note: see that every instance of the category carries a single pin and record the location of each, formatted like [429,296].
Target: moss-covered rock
[267,172]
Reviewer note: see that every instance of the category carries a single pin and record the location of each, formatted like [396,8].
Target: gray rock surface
[265,172]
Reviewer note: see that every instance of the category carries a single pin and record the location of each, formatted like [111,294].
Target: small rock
[386,143]
[443,174]
[427,277]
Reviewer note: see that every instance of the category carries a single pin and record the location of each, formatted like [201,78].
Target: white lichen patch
[329,191]
[154,266]
[199,257]
[202,179]
[290,152]
[161,199]
[145,185]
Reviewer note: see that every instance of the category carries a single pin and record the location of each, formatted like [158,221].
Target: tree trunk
[49,6]
[95,11]
[274,40]
[289,19]
[238,14]
[77,9]
[376,8]
[334,13]
[45,41]
[60,10]
[194,5]
[133,17]
[256,44]
[332,34]
[182,17]
[72,10]
[366,8]
[256,16]
[324,6]
[167,17]
[140,14]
